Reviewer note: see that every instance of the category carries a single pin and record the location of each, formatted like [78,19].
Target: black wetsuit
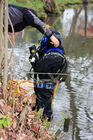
[22,17]
[51,60]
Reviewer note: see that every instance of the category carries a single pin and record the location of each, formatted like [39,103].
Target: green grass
[37,5]
[60,1]
[67,1]
[14,2]
[28,3]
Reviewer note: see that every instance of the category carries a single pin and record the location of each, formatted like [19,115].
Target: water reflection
[77,99]
[75,96]
[78,21]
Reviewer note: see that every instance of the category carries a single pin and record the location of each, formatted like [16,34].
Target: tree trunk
[1,43]
[4,44]
[5,51]
[50,6]
[85,1]
[1,33]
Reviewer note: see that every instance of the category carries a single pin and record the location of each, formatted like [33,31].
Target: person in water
[49,64]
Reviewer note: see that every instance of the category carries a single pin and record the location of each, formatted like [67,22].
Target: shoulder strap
[54,50]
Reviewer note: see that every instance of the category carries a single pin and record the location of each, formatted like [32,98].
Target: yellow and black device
[33,56]
[32,50]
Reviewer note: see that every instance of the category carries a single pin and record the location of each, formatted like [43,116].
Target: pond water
[74,98]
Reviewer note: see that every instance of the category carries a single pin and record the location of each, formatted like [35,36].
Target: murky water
[74,98]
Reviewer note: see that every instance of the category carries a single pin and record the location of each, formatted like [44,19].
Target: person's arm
[34,21]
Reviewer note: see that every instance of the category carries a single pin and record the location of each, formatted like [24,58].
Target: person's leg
[43,100]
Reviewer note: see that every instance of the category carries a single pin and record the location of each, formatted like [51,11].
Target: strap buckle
[48,85]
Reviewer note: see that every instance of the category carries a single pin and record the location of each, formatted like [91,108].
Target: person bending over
[22,17]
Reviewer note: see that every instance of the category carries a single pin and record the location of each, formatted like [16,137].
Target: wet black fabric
[43,100]
[50,63]
[22,17]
